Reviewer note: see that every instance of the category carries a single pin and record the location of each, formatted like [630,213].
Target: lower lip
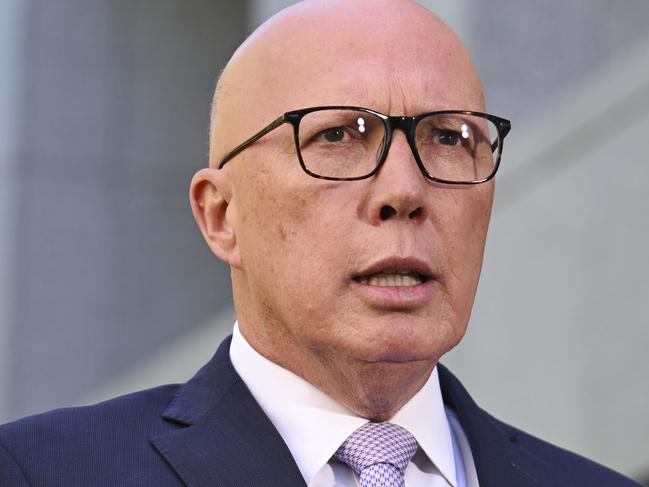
[397,297]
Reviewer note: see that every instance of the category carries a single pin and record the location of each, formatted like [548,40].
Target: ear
[210,195]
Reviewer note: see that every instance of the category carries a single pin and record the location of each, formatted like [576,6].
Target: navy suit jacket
[210,432]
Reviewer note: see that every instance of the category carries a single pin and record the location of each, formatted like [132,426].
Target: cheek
[465,231]
[468,223]
[290,218]
[291,240]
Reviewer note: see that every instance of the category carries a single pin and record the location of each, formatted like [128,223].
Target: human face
[316,286]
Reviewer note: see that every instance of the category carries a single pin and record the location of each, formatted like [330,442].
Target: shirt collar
[300,411]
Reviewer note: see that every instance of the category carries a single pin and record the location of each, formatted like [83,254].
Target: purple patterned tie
[378,453]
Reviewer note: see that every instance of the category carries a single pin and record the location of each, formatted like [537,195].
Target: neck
[373,390]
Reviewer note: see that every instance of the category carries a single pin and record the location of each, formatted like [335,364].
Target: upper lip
[396,265]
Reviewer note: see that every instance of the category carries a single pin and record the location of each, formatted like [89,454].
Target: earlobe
[212,204]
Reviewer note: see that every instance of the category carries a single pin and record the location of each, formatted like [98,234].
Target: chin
[398,339]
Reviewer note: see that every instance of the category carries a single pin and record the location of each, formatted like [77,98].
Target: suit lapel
[498,459]
[224,438]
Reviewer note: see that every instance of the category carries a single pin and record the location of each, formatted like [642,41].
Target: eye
[335,134]
[448,138]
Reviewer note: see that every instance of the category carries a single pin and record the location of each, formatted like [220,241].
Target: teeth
[384,280]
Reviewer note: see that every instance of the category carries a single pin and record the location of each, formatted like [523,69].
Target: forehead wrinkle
[393,94]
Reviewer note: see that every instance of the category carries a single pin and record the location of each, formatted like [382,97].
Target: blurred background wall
[106,286]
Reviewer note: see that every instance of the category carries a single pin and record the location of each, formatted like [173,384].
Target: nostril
[387,212]
[415,214]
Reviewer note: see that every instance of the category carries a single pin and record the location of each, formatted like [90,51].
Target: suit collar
[224,438]
[498,459]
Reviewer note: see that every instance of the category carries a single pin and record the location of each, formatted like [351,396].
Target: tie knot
[378,443]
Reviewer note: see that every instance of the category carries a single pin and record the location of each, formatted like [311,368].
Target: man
[349,189]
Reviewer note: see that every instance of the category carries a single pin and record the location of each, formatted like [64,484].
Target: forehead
[393,86]
[395,65]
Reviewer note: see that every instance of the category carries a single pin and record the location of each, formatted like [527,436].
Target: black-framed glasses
[347,143]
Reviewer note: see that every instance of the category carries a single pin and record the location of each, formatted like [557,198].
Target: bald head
[359,52]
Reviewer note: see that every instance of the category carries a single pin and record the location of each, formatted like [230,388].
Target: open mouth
[393,278]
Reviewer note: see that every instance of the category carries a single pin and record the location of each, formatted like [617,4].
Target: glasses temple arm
[268,128]
[504,127]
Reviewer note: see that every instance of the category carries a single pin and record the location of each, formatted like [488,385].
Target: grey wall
[106,264]
[10,21]
[529,53]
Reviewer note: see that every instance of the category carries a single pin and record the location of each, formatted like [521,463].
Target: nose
[399,191]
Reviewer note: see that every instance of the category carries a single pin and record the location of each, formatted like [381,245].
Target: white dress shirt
[313,425]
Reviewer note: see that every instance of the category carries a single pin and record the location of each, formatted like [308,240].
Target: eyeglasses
[343,143]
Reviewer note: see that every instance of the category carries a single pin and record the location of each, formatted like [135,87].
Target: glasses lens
[457,147]
[341,143]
